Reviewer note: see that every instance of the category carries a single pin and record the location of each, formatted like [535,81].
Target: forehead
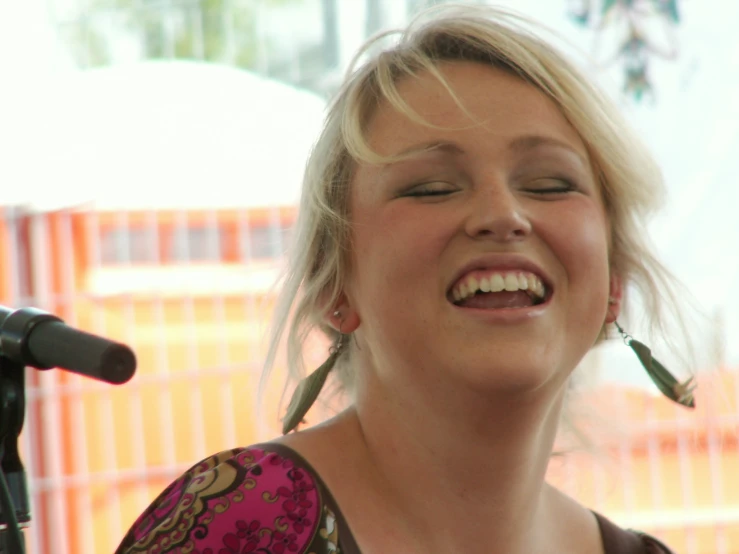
[497,106]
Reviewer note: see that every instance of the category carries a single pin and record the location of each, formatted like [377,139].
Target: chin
[516,374]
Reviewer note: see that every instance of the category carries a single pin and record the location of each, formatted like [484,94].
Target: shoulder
[256,498]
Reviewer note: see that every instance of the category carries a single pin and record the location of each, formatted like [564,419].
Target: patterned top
[267,499]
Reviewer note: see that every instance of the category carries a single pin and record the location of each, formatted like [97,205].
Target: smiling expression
[510,192]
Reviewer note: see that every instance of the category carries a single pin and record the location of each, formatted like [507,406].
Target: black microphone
[38,339]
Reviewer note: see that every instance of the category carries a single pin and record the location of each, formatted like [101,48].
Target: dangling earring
[310,387]
[682,393]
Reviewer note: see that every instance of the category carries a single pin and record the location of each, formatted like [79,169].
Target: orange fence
[663,469]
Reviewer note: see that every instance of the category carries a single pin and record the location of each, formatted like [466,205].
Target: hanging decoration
[640,32]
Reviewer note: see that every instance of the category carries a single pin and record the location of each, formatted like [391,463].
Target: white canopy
[156,135]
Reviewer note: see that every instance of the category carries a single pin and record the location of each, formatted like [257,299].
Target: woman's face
[506,200]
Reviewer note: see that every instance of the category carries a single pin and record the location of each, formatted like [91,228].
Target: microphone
[38,339]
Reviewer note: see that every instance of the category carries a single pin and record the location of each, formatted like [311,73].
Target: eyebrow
[517,145]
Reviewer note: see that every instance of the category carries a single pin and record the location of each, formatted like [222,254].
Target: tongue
[497,300]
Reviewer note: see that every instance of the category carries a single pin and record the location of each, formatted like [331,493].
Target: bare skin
[456,412]
[401,505]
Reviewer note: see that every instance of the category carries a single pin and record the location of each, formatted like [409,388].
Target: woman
[472,216]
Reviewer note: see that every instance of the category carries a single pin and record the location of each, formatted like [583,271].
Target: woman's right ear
[343,317]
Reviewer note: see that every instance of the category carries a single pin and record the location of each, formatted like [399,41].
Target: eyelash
[429,193]
[419,191]
[568,187]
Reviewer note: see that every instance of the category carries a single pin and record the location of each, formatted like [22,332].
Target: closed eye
[429,193]
[431,189]
[563,186]
[552,190]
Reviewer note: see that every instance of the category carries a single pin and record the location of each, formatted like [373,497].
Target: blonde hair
[319,259]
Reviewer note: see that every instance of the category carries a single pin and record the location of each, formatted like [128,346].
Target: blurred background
[151,153]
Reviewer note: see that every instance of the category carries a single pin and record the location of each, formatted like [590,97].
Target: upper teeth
[496,281]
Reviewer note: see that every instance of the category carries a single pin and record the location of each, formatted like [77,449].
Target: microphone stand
[33,338]
[14,510]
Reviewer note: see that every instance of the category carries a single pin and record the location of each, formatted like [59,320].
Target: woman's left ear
[615,296]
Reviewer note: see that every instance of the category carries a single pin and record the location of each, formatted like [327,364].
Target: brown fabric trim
[616,540]
[347,544]
[654,546]
[620,541]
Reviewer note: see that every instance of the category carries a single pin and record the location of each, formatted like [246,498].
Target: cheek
[396,254]
[579,238]
[401,241]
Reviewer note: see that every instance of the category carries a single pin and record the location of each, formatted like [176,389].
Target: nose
[498,215]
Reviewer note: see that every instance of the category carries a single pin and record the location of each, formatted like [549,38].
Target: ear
[615,297]
[343,317]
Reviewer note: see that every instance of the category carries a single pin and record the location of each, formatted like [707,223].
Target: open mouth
[499,290]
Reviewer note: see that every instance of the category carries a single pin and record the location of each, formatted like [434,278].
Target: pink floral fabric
[240,501]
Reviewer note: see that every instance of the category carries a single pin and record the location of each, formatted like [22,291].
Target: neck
[481,483]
